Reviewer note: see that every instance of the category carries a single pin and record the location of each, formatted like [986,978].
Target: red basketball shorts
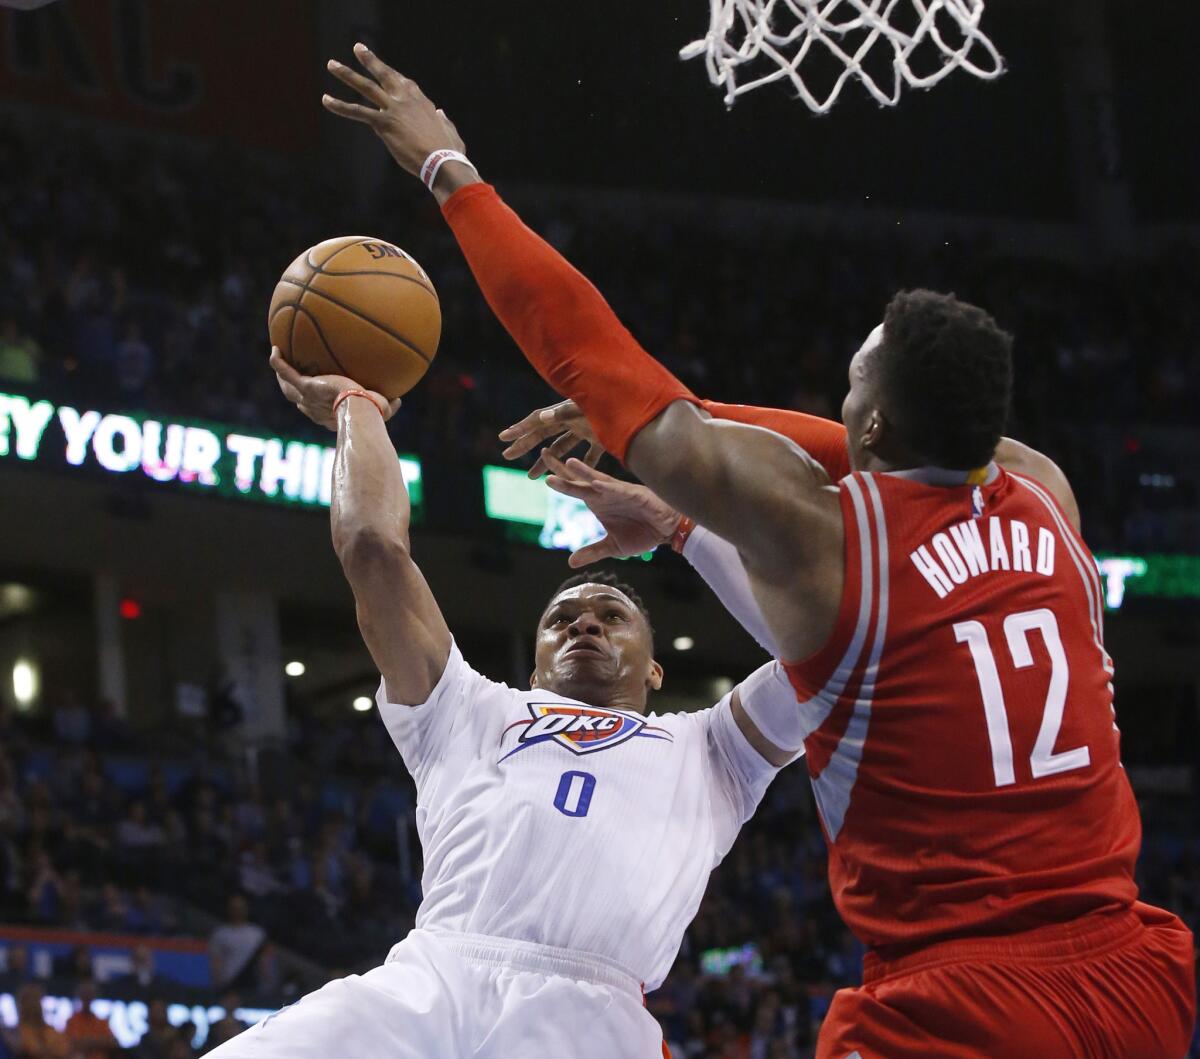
[1119,986]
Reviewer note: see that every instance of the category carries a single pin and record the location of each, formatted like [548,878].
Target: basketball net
[761,41]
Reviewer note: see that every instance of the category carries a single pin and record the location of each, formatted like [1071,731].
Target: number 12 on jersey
[1043,761]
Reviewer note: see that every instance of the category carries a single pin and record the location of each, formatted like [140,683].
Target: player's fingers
[571,470]
[582,471]
[563,444]
[604,548]
[390,79]
[521,446]
[289,391]
[532,429]
[364,86]
[594,453]
[393,407]
[283,368]
[570,488]
[353,111]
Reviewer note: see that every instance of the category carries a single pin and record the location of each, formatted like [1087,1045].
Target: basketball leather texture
[360,307]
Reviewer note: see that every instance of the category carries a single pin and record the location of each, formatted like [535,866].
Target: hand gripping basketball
[316,395]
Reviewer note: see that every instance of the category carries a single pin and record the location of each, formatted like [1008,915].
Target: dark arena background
[189,746]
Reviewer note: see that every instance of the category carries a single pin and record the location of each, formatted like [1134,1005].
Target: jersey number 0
[1043,761]
[574,796]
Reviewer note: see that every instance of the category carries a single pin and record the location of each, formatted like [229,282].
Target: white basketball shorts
[462,996]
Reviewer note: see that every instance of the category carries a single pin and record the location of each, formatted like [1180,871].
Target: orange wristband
[355,393]
[682,532]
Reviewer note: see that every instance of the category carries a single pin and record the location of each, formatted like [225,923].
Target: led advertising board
[1150,576]
[536,513]
[129,1019]
[200,456]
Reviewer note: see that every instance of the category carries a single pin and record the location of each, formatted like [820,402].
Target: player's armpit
[1016,456]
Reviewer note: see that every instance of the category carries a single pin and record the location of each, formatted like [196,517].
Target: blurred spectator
[228,1027]
[34,1038]
[135,362]
[161,1039]
[234,945]
[76,965]
[19,354]
[72,720]
[89,1035]
[16,963]
[145,913]
[137,833]
[45,889]
[142,975]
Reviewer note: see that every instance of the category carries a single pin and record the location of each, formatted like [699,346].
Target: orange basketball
[360,307]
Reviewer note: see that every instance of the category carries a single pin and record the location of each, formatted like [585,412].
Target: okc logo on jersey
[580,729]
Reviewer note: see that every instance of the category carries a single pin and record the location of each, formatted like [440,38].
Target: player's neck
[893,457]
[603,697]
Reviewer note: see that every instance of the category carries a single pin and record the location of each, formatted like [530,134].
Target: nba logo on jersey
[976,502]
[580,729]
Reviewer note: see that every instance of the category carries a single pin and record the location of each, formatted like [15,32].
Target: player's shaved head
[595,643]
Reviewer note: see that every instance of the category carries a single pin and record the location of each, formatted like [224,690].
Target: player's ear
[875,430]
[654,679]
[533,679]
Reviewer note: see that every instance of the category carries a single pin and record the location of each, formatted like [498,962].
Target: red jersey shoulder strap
[1081,557]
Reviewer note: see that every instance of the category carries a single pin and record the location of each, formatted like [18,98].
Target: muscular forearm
[370,498]
[560,321]
[399,619]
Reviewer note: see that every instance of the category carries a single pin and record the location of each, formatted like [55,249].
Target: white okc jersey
[545,820]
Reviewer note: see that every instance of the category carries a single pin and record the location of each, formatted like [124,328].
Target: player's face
[860,411]
[594,645]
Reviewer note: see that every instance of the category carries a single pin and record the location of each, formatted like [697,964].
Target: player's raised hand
[635,520]
[564,422]
[315,395]
[403,117]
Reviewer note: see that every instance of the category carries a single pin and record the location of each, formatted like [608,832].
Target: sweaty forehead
[587,593]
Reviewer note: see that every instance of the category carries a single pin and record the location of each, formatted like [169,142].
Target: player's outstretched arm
[749,485]
[566,428]
[400,620]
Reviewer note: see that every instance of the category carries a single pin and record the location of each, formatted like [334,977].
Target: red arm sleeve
[823,439]
[563,325]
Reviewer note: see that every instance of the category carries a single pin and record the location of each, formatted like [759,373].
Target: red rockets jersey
[963,747]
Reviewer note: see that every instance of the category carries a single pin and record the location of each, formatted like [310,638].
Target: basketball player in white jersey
[568,835]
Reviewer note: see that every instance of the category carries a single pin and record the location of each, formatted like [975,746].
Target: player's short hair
[607,577]
[946,371]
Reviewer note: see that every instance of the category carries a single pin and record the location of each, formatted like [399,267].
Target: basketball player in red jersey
[953,688]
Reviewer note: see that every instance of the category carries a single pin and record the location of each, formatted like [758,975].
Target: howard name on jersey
[548,820]
[979,546]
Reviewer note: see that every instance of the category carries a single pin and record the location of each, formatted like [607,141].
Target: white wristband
[431,166]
